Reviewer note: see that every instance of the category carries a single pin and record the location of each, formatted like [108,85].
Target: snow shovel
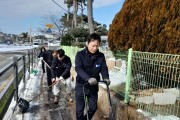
[46,64]
[24,104]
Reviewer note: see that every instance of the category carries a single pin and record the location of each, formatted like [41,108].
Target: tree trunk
[75,6]
[82,9]
[90,16]
[68,13]
[68,18]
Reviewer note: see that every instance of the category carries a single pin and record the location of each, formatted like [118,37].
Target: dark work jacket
[48,57]
[61,68]
[42,54]
[88,66]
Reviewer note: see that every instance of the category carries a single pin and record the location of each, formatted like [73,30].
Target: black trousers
[43,67]
[80,104]
[48,76]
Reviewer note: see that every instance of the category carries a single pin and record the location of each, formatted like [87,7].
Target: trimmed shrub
[147,25]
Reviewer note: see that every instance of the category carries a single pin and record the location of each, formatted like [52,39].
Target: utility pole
[30,38]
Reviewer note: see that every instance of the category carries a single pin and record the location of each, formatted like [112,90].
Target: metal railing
[12,74]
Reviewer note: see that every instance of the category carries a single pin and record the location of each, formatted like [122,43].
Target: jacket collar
[92,54]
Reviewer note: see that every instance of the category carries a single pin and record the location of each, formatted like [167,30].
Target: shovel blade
[23,105]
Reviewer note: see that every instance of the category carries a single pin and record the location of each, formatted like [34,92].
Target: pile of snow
[169,117]
[27,91]
[117,77]
[158,117]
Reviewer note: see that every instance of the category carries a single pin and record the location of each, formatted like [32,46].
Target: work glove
[107,81]
[92,81]
[62,80]
[53,80]
[41,58]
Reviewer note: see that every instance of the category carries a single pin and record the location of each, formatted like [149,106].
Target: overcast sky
[17,16]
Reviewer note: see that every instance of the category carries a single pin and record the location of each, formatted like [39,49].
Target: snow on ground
[5,48]
[12,105]
[170,117]
[31,87]
[117,76]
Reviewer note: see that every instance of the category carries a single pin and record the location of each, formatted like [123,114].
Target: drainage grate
[55,115]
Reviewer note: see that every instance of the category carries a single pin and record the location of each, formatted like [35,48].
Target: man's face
[60,58]
[93,46]
[54,54]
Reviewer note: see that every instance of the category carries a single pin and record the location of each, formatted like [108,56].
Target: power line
[59,6]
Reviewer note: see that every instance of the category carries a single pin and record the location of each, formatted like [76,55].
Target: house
[8,41]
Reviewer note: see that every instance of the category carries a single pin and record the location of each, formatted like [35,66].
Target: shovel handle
[43,91]
[46,64]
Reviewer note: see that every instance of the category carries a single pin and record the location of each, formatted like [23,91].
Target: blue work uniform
[88,66]
[61,68]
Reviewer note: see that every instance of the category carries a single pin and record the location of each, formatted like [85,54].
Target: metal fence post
[128,76]
[24,68]
[32,60]
[29,70]
[15,60]
[36,53]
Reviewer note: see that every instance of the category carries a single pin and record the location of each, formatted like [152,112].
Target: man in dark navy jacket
[89,63]
[60,70]
[42,56]
[48,58]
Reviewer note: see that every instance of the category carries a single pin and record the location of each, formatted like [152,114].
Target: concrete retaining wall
[121,111]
